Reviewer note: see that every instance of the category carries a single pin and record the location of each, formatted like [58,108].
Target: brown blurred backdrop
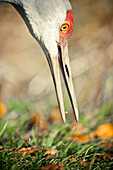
[24,72]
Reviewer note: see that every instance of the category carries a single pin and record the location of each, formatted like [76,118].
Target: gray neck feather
[43,19]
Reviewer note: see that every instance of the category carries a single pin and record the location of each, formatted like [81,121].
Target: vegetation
[26,144]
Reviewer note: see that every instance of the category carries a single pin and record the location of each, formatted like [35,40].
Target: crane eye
[65,27]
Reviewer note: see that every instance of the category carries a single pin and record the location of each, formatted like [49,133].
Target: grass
[15,128]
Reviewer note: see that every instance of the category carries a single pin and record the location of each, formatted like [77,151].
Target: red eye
[65,27]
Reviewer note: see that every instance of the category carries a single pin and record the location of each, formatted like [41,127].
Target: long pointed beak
[62,60]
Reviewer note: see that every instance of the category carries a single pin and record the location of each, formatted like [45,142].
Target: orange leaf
[79,128]
[3,109]
[50,152]
[39,121]
[43,124]
[108,144]
[55,115]
[82,138]
[78,134]
[35,119]
[53,166]
[105,131]
[27,151]
[92,134]
[1,147]
[79,138]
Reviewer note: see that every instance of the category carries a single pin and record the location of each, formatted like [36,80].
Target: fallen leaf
[92,135]
[79,138]
[78,135]
[43,124]
[82,138]
[108,157]
[40,122]
[49,153]
[3,109]
[35,119]
[82,162]
[53,166]
[108,144]
[104,131]
[27,151]
[75,159]
[79,128]
[55,115]
[1,147]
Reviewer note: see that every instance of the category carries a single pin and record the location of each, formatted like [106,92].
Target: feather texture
[43,19]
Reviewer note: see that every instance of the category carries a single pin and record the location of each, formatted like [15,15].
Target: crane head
[51,24]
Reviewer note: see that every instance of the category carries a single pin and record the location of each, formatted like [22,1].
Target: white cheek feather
[46,27]
[47,33]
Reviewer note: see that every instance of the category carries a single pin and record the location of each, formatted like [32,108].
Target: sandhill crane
[51,23]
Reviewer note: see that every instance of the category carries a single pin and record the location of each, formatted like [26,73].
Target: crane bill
[66,71]
[62,60]
[54,67]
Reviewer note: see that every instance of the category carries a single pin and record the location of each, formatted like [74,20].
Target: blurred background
[24,71]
